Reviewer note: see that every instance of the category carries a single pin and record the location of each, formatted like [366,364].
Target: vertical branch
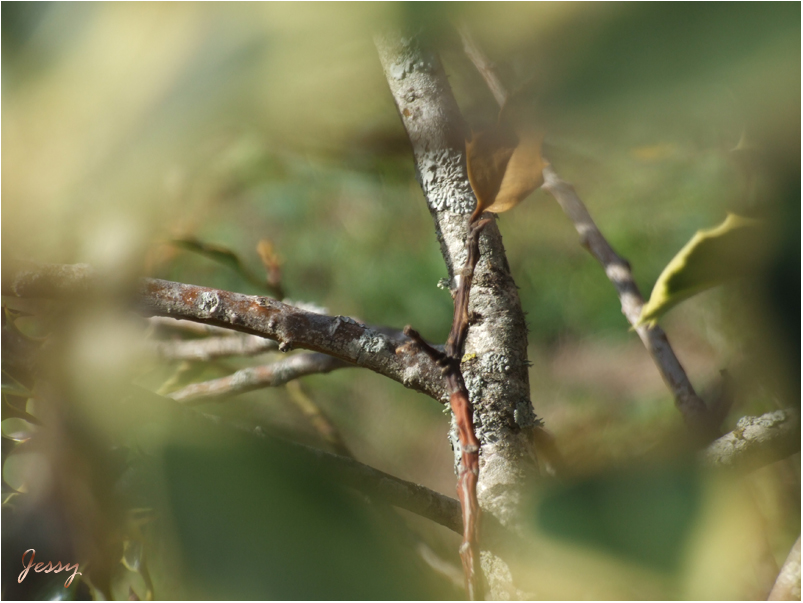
[495,378]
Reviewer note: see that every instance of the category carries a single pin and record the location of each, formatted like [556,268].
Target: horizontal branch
[757,441]
[257,377]
[291,326]
[203,350]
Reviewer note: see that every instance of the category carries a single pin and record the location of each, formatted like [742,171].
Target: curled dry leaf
[504,163]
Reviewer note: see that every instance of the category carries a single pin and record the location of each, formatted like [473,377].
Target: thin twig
[318,419]
[787,586]
[376,484]
[483,64]
[392,490]
[210,348]
[756,441]
[258,377]
[617,269]
[187,326]
[618,272]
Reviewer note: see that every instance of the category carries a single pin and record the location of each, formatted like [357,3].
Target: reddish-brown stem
[469,467]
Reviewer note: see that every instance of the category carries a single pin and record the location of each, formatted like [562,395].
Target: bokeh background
[126,126]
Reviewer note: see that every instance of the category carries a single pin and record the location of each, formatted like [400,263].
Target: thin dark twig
[469,468]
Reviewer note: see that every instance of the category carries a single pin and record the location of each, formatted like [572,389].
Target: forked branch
[292,327]
[463,411]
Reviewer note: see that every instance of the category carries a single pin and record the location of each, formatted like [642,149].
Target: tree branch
[483,64]
[187,326]
[787,586]
[496,370]
[618,272]
[338,336]
[257,377]
[392,490]
[463,412]
[376,484]
[318,419]
[210,348]
[617,269]
[756,441]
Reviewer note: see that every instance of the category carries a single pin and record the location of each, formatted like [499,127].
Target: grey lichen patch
[342,320]
[495,363]
[443,179]
[373,343]
[208,302]
[242,378]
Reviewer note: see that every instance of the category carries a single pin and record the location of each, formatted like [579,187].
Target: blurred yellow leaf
[711,257]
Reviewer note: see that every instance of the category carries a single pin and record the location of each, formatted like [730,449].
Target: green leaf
[731,250]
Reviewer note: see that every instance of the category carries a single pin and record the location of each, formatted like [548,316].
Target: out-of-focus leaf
[10,411]
[733,249]
[504,162]
[17,429]
[128,585]
[12,387]
[224,256]
[643,514]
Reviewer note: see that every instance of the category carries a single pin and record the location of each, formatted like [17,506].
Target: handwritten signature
[47,568]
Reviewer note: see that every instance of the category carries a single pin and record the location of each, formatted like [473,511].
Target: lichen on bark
[497,375]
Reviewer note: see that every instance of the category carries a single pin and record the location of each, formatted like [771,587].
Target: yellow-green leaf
[712,257]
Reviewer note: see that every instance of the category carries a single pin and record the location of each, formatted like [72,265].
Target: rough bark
[756,441]
[496,366]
